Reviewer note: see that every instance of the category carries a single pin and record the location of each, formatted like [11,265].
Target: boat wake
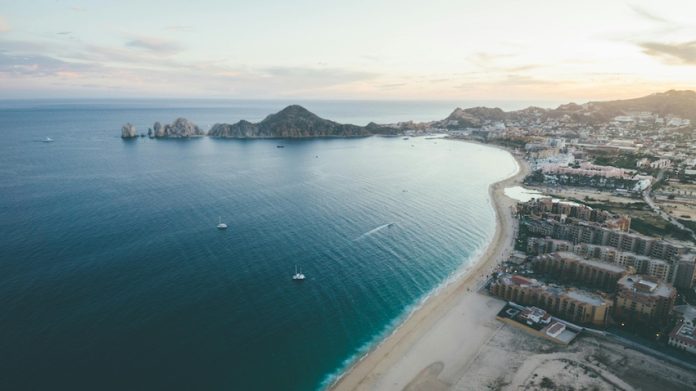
[368,233]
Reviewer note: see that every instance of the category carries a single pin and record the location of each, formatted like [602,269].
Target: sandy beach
[431,349]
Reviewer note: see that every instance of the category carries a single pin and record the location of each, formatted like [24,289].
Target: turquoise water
[113,275]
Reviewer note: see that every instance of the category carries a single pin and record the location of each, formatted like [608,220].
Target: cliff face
[128,131]
[181,128]
[293,122]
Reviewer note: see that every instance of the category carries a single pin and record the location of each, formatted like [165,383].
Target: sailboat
[298,276]
[221,225]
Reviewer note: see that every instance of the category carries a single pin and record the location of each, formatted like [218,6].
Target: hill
[294,122]
[675,103]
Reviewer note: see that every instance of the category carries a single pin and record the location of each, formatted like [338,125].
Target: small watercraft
[298,276]
[47,140]
[221,225]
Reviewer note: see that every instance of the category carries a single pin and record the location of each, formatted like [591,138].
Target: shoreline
[370,369]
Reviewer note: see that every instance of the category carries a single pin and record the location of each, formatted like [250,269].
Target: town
[606,235]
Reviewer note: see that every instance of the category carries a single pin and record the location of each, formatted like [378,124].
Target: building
[567,266]
[538,322]
[685,277]
[653,267]
[683,337]
[681,262]
[645,301]
[561,211]
[573,305]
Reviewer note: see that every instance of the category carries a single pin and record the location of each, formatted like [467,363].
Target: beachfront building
[642,300]
[567,266]
[653,267]
[538,322]
[584,232]
[683,337]
[567,211]
[573,305]
[682,263]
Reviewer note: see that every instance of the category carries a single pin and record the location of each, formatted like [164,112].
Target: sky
[549,50]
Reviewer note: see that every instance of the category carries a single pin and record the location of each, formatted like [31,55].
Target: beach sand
[432,349]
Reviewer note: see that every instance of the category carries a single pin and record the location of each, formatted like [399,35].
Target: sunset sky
[466,49]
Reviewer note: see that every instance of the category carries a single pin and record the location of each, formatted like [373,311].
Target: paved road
[666,216]
[649,351]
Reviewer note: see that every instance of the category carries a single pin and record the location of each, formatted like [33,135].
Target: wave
[372,231]
[396,323]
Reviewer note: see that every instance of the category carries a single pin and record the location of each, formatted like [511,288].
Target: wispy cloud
[153,44]
[39,66]
[680,53]
[645,14]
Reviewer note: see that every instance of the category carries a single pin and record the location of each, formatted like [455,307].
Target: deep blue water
[113,275]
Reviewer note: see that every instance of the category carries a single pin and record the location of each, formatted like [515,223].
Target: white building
[683,337]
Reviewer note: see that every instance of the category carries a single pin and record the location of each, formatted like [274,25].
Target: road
[647,197]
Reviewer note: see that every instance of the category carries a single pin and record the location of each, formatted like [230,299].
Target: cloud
[683,53]
[323,75]
[155,45]
[39,65]
[4,26]
[648,15]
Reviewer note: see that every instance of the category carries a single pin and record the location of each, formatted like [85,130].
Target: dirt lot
[514,360]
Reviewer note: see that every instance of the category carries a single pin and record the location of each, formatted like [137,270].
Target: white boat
[298,276]
[221,225]
[47,140]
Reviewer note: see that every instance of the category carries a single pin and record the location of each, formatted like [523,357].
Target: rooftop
[596,264]
[575,294]
[640,285]
[586,297]
[684,333]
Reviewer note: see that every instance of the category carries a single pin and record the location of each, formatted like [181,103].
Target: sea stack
[181,128]
[128,131]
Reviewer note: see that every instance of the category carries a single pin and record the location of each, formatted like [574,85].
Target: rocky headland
[295,122]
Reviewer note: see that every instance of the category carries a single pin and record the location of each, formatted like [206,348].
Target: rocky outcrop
[294,122]
[158,131]
[181,128]
[128,131]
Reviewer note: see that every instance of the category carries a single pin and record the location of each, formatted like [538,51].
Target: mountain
[679,103]
[676,103]
[474,117]
[294,122]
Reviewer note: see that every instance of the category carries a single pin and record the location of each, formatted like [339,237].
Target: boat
[280,146]
[221,225]
[298,276]
[47,140]
[405,138]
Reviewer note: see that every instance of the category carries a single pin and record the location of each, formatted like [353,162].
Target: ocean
[113,275]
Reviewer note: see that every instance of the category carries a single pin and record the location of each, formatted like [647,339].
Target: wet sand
[432,348]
